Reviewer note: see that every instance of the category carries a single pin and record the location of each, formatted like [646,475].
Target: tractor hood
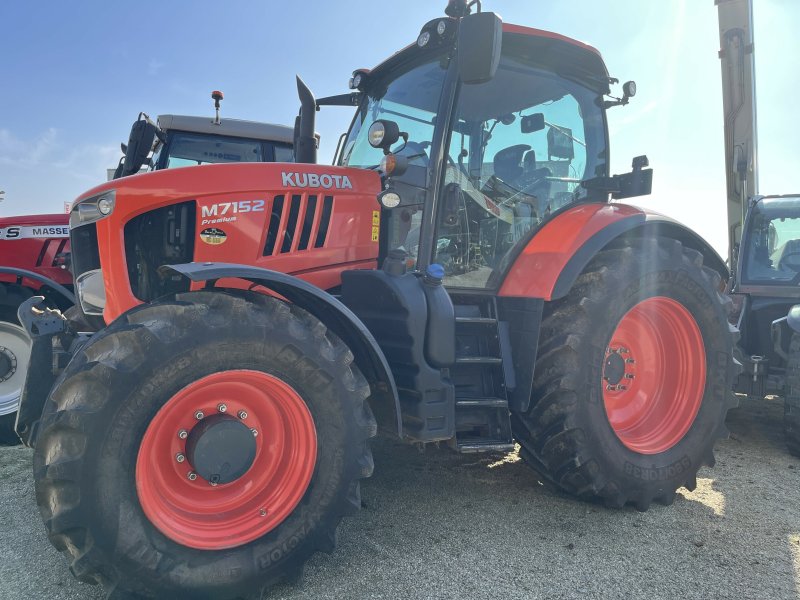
[312,221]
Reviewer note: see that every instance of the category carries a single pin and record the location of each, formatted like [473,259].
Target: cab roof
[231,127]
[564,55]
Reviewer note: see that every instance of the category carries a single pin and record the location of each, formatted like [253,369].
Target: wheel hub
[8,364]
[221,449]
[614,370]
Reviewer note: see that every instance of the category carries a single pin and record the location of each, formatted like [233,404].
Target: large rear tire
[123,506]
[15,350]
[634,377]
[791,398]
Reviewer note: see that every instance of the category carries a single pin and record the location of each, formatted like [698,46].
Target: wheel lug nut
[199,415]
[630,376]
[212,483]
[180,457]
[183,434]
[621,388]
[192,475]
[242,414]
[611,388]
[630,361]
[255,432]
[222,408]
[263,512]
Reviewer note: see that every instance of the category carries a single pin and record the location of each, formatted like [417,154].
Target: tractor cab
[765,288]
[770,246]
[477,148]
[182,141]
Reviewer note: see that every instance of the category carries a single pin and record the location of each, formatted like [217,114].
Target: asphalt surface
[439,525]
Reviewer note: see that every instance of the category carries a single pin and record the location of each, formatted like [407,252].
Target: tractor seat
[508,162]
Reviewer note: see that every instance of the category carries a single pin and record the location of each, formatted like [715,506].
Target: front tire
[118,500]
[634,377]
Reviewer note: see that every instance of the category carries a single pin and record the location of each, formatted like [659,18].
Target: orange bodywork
[537,268]
[238,201]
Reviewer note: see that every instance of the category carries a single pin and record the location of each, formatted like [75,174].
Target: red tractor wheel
[634,377]
[203,447]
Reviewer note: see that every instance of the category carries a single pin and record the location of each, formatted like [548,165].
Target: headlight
[92,209]
[377,131]
[423,39]
[441,27]
[389,199]
[91,292]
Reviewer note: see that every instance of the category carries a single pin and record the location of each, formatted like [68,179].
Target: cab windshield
[185,149]
[410,100]
[773,250]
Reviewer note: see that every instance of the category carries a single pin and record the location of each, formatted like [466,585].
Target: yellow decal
[376,225]
[213,236]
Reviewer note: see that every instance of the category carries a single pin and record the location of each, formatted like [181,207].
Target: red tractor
[459,276]
[34,250]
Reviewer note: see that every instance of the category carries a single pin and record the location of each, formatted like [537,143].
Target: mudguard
[340,319]
[552,260]
[69,296]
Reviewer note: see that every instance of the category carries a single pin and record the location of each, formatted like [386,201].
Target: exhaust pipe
[305,143]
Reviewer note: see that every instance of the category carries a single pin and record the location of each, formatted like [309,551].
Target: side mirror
[480,43]
[532,123]
[638,182]
[143,134]
[560,143]
[453,201]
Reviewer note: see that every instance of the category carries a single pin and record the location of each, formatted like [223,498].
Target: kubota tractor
[34,249]
[460,274]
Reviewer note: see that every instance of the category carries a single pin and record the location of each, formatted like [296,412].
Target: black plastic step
[470,447]
[481,403]
[478,360]
[475,321]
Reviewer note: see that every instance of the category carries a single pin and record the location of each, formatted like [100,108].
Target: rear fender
[551,262]
[336,316]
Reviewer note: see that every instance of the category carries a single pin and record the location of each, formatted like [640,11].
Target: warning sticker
[213,236]
[376,225]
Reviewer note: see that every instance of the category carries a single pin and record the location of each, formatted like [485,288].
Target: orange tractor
[458,276]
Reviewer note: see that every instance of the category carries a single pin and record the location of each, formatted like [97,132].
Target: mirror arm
[351,99]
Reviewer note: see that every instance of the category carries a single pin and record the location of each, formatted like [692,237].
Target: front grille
[301,223]
[85,251]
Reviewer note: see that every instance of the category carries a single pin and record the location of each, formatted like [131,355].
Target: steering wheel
[793,265]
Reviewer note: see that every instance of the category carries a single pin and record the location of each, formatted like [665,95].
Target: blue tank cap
[435,271]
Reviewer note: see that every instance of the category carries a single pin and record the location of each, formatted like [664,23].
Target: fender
[553,259]
[323,306]
[70,297]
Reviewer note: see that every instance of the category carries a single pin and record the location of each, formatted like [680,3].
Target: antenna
[217,96]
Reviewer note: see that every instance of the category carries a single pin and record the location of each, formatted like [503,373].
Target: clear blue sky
[75,75]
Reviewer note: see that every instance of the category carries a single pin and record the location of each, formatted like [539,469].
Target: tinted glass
[772,252]
[189,149]
[521,146]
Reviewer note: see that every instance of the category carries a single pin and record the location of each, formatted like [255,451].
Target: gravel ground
[440,525]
